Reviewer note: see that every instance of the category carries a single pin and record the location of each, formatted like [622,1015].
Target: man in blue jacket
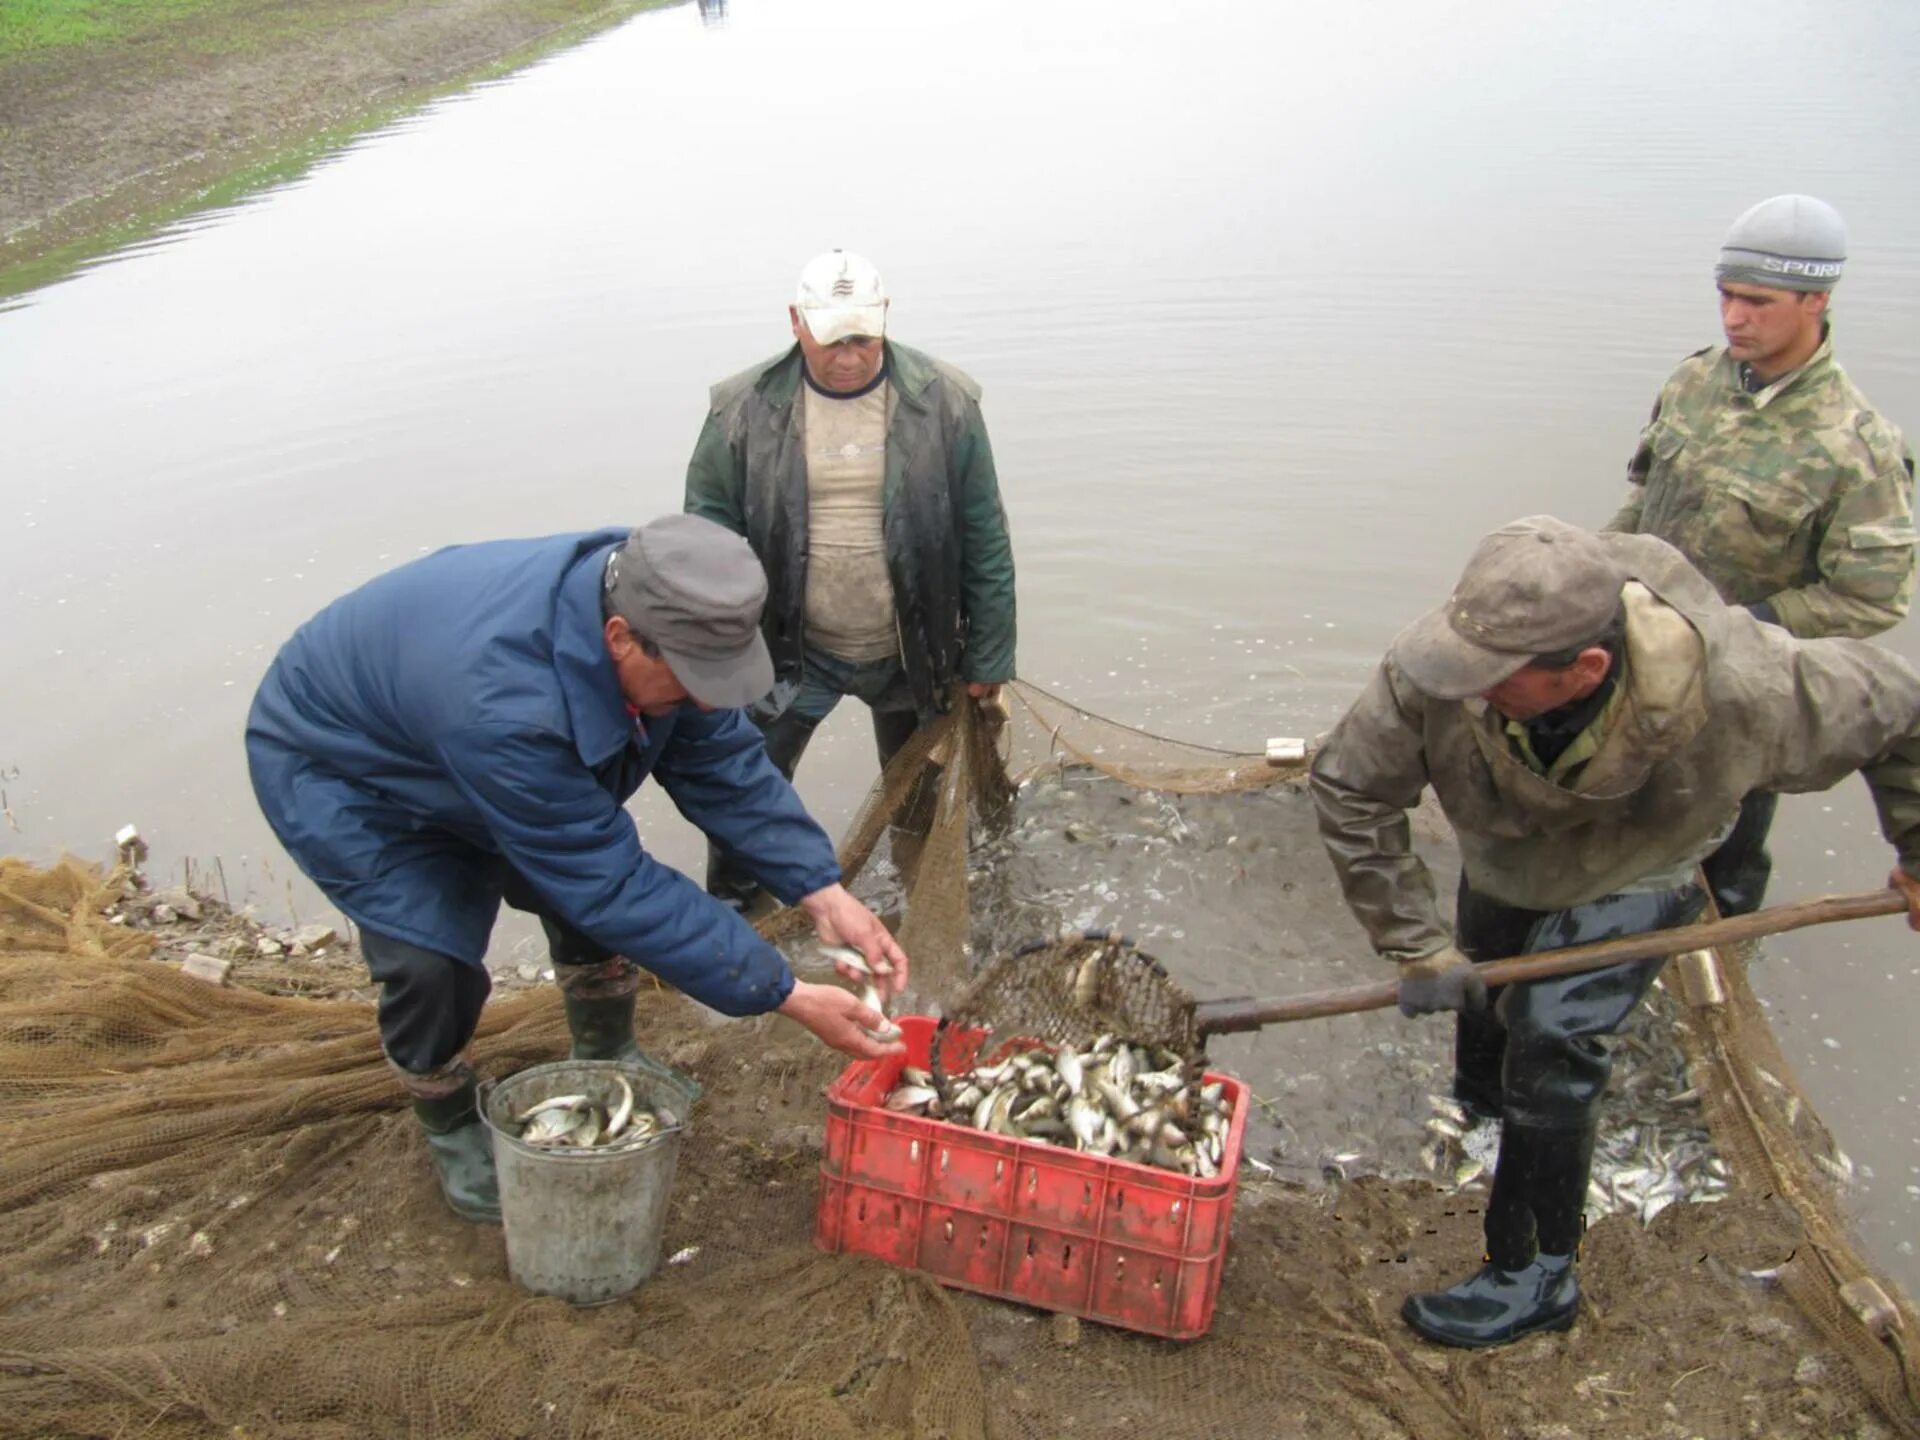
[465,730]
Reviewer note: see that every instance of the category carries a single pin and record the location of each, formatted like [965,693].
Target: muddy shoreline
[106,141]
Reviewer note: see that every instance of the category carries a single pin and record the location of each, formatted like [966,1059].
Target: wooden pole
[1228,1017]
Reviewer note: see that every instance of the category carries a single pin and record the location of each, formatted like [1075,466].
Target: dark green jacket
[946,533]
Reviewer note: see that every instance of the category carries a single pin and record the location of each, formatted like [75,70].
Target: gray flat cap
[1532,587]
[696,590]
[1791,242]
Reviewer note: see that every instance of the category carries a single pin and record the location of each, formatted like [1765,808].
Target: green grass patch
[29,25]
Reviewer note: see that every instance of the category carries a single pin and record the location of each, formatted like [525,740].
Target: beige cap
[1532,587]
[841,296]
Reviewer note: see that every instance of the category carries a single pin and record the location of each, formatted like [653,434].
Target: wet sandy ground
[100,135]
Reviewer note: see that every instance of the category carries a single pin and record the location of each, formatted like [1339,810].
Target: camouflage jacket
[1797,495]
[1712,704]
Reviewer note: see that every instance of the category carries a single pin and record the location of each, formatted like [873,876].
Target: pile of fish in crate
[1113,1099]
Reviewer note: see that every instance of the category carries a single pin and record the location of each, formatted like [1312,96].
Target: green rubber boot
[461,1146]
[599,1005]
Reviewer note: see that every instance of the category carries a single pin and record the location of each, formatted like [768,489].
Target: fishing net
[218,1218]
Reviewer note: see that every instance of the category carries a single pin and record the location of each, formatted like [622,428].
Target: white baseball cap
[841,296]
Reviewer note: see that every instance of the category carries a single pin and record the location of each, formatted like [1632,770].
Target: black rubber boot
[1528,1283]
[462,1151]
[599,1004]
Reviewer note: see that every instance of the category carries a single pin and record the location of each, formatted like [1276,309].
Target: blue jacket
[462,710]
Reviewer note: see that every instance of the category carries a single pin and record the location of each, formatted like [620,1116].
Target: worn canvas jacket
[462,710]
[1798,495]
[1717,704]
[948,553]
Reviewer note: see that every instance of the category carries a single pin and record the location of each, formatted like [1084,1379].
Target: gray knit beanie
[1791,242]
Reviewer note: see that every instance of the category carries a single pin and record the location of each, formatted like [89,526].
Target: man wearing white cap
[860,472]
[1589,714]
[1766,467]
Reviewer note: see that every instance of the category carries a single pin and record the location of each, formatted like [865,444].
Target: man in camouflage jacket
[1766,467]
[1589,714]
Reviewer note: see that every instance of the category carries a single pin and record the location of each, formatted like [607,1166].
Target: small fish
[886,1030]
[622,1108]
[854,960]
[1084,1120]
[1446,1105]
[1120,1105]
[549,1127]
[586,1135]
[558,1102]
[911,1097]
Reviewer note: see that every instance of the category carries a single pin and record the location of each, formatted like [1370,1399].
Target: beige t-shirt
[849,594]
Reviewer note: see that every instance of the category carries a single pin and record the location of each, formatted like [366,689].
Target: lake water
[1278,309]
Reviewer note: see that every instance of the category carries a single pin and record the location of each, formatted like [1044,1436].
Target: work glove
[1444,980]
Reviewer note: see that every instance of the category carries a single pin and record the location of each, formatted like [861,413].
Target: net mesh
[218,1219]
[1068,992]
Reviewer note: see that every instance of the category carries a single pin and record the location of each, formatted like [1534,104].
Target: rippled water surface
[1278,308]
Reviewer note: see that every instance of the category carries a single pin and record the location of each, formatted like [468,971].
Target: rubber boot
[599,1005]
[1528,1283]
[460,1146]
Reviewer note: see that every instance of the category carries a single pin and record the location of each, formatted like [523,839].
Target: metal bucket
[585,1225]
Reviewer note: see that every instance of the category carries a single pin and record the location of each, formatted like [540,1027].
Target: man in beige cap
[1766,467]
[466,729]
[860,472]
[1589,714]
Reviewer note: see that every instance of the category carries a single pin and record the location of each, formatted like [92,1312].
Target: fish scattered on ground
[1131,1102]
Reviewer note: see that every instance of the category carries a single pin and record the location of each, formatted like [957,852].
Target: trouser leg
[597,987]
[1557,1062]
[787,736]
[429,1003]
[1554,1071]
[429,1007]
[1485,930]
[1738,871]
[891,730]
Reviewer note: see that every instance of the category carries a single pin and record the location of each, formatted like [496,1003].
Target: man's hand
[983,690]
[1444,980]
[839,919]
[839,1020]
[1909,887]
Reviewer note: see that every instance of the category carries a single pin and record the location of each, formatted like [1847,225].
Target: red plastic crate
[1125,1244]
